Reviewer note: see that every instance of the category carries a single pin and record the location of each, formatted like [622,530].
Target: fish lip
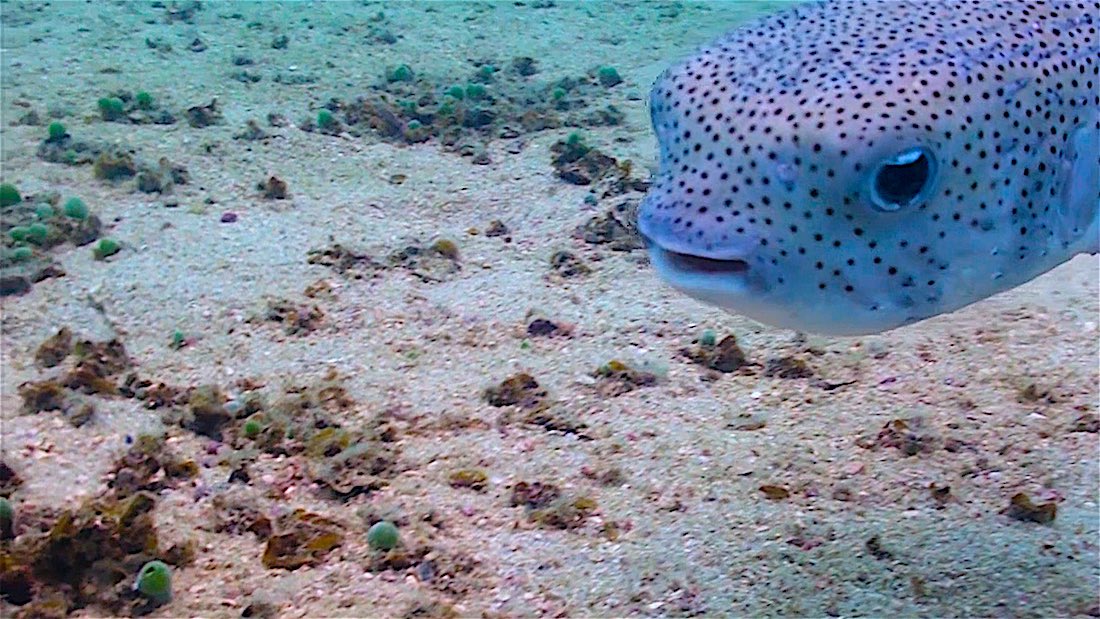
[693,264]
[704,266]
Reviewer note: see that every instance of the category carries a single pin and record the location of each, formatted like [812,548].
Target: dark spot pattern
[773,142]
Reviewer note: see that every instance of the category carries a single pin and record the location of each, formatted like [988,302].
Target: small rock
[567,264]
[787,367]
[475,479]
[541,326]
[615,378]
[521,389]
[725,356]
[874,546]
[252,131]
[301,538]
[608,229]
[525,66]
[114,165]
[275,188]
[497,228]
[200,116]
[207,414]
[775,493]
[13,285]
[1086,423]
[478,117]
[1021,508]
[747,422]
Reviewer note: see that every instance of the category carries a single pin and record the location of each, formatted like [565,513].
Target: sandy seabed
[738,494]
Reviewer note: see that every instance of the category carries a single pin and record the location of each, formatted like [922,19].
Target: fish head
[849,197]
[793,224]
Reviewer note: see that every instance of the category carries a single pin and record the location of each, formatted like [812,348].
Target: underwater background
[277,272]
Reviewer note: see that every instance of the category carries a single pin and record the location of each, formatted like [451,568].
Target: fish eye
[902,180]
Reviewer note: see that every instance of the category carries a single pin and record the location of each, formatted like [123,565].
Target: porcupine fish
[848,167]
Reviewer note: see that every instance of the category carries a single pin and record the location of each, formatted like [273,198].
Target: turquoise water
[376,261]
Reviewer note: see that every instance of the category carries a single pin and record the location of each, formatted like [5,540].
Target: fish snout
[671,226]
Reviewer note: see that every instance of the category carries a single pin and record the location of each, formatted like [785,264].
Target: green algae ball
[43,211]
[574,142]
[56,131]
[608,76]
[179,340]
[75,208]
[9,195]
[37,233]
[105,248]
[154,581]
[414,125]
[325,119]
[485,73]
[456,92]
[708,338]
[18,233]
[20,254]
[111,108]
[400,73]
[476,91]
[252,428]
[382,536]
[144,100]
[7,519]
[558,94]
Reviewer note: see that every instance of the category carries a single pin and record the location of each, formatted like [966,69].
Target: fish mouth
[703,266]
[725,282]
[692,264]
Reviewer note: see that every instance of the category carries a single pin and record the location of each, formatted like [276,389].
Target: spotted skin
[849,167]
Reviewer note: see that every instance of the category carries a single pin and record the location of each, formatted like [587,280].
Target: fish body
[852,166]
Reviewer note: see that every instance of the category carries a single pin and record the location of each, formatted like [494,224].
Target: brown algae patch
[90,555]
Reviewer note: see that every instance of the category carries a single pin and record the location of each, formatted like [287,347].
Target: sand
[684,528]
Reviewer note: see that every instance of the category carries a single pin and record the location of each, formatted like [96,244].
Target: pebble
[228,217]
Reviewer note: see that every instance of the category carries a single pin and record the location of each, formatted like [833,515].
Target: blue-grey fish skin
[849,167]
